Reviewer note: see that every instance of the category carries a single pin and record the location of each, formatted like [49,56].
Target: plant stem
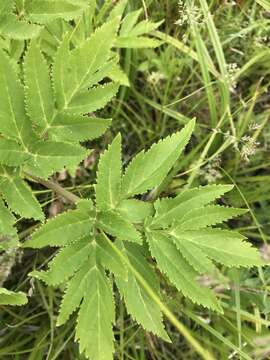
[56,188]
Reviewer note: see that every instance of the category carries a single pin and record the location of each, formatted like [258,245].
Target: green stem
[56,188]
[238,307]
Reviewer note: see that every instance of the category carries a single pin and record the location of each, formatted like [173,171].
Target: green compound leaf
[109,177]
[8,297]
[91,288]
[148,169]
[73,71]
[188,244]
[42,136]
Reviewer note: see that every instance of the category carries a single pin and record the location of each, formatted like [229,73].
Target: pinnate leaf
[84,61]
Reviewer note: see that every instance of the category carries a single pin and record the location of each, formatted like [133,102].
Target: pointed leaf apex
[228,187]
[118,138]
[192,123]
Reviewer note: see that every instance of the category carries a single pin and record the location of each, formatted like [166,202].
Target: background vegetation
[219,73]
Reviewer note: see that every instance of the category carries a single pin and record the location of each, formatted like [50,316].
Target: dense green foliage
[181,241]
[147,232]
